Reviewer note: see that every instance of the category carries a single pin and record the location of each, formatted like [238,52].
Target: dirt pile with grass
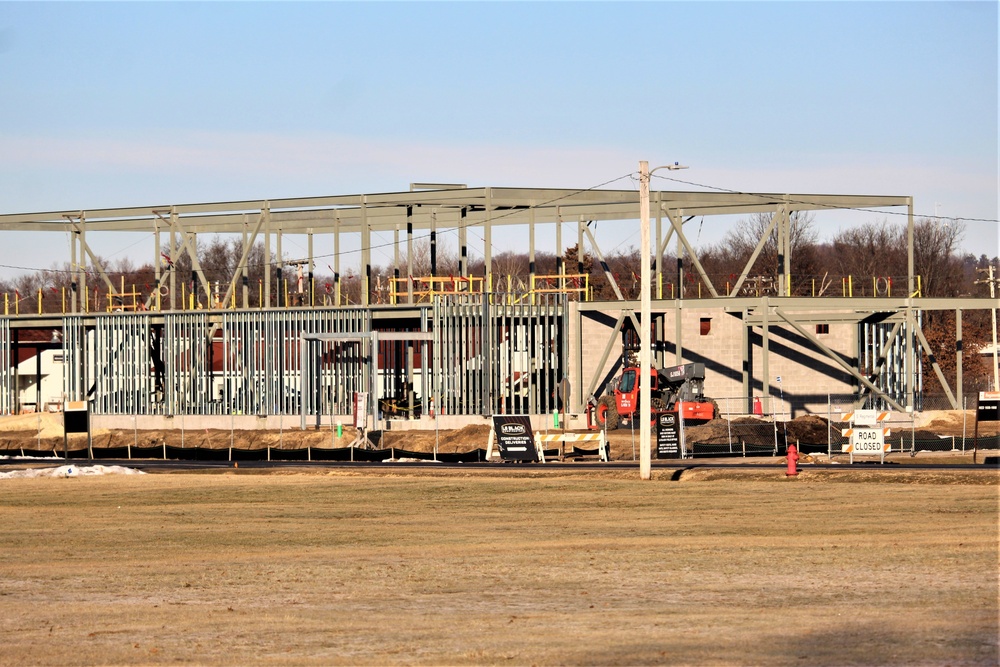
[44,431]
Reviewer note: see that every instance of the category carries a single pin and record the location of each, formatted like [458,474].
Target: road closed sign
[867,440]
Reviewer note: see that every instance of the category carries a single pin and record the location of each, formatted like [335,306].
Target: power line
[770,200]
[378,246]
[631,176]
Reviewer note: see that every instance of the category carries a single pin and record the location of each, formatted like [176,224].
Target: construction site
[447,349]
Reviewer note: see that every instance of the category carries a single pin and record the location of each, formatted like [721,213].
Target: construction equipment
[678,388]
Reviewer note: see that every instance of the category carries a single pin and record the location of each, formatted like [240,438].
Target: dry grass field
[517,566]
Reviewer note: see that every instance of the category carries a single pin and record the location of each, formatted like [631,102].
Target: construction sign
[988,409]
[514,438]
[668,437]
[76,417]
[866,435]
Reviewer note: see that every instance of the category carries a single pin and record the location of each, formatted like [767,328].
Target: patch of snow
[69,471]
[54,457]
[409,460]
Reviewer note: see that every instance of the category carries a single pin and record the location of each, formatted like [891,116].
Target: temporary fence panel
[736,431]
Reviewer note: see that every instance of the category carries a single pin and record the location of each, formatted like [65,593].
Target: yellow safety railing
[562,283]
[427,287]
[424,288]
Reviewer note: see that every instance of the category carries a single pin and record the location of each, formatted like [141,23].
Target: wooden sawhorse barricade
[512,439]
[562,438]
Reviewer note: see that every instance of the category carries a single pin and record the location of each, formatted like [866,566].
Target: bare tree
[879,249]
[934,255]
[871,249]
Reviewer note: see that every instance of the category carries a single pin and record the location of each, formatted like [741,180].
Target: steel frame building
[479,353]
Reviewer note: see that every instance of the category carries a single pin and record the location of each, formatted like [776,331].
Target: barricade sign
[602,444]
[514,437]
[866,441]
[866,417]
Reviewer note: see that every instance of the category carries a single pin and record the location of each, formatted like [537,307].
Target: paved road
[170,465]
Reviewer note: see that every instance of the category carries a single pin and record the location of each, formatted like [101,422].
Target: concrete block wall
[807,375]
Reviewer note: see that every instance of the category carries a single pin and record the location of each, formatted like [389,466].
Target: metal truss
[426,213]
[486,356]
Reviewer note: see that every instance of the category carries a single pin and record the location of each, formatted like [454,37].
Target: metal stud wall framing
[458,354]
[530,347]
[495,358]
[8,374]
[891,375]
[74,358]
[122,377]
[336,370]
[260,370]
[486,358]
[188,386]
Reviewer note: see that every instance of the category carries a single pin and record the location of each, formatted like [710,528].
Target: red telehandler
[678,388]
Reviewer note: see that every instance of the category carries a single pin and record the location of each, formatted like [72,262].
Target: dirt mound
[715,432]
[809,429]
[36,425]
[44,431]
[459,441]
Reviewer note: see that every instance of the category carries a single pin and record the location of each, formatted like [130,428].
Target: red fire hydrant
[793,461]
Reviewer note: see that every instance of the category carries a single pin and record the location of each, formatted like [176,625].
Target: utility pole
[645,317]
[992,281]
[645,398]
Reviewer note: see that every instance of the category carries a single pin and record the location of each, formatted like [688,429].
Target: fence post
[680,416]
[965,416]
[829,435]
[729,426]
[774,420]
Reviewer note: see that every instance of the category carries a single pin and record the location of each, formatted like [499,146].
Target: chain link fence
[765,426]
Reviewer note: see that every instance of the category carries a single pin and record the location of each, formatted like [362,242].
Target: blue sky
[120,104]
